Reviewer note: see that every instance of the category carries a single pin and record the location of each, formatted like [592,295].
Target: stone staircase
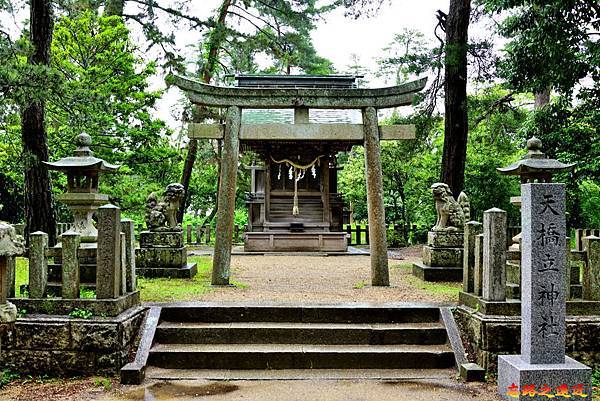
[311,209]
[197,340]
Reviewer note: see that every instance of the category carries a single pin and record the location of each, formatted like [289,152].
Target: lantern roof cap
[535,162]
[83,158]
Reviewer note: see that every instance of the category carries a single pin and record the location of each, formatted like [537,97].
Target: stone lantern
[11,245]
[82,197]
[534,167]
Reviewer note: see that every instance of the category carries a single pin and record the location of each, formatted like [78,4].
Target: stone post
[11,245]
[128,228]
[542,363]
[207,234]
[376,211]
[188,229]
[11,271]
[123,260]
[472,229]
[70,264]
[108,272]
[478,266]
[198,235]
[494,255]
[38,264]
[591,276]
[226,203]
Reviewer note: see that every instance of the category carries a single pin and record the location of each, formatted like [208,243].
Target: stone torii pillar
[376,211]
[226,202]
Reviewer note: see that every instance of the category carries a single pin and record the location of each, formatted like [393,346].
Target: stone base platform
[442,257]
[188,271]
[295,242]
[59,306]
[437,273]
[163,254]
[514,374]
[489,336]
[58,346]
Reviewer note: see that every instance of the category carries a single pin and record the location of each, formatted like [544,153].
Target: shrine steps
[292,341]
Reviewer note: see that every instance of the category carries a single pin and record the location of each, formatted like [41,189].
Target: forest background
[74,65]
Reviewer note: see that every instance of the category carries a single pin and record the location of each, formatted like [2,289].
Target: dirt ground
[301,390]
[326,279]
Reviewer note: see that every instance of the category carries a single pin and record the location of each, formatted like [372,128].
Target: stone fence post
[70,264]
[472,229]
[108,271]
[591,274]
[128,228]
[38,264]
[478,265]
[494,255]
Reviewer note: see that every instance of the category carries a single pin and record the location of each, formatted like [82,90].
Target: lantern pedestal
[83,206]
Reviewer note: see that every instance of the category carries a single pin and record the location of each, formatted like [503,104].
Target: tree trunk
[215,41]
[542,98]
[39,208]
[456,120]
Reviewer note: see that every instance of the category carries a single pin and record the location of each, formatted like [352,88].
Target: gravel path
[323,279]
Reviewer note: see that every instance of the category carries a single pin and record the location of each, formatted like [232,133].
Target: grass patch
[404,266]
[360,285]
[174,289]
[21,275]
[440,289]
[151,289]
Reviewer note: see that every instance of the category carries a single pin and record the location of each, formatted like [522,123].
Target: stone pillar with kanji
[542,370]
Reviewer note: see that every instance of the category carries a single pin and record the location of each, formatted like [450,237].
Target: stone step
[300,333]
[340,313]
[296,356]
[298,374]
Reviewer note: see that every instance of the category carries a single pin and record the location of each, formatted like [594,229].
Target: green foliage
[81,313]
[87,293]
[596,378]
[395,239]
[590,204]
[493,142]
[103,382]
[99,87]
[570,134]
[550,42]
[106,94]
[407,56]
[360,285]
[409,169]
[7,377]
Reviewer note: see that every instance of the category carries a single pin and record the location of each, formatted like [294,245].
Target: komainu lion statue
[161,214]
[451,214]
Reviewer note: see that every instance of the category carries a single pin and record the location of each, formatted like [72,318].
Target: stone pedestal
[163,254]
[442,257]
[542,369]
[534,382]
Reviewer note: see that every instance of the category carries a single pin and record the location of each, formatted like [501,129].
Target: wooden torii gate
[301,100]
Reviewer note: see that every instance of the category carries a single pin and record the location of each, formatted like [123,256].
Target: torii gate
[301,100]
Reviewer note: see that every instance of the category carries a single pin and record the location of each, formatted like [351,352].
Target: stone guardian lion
[451,214]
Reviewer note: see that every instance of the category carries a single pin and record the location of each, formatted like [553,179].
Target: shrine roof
[296,81]
[291,97]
